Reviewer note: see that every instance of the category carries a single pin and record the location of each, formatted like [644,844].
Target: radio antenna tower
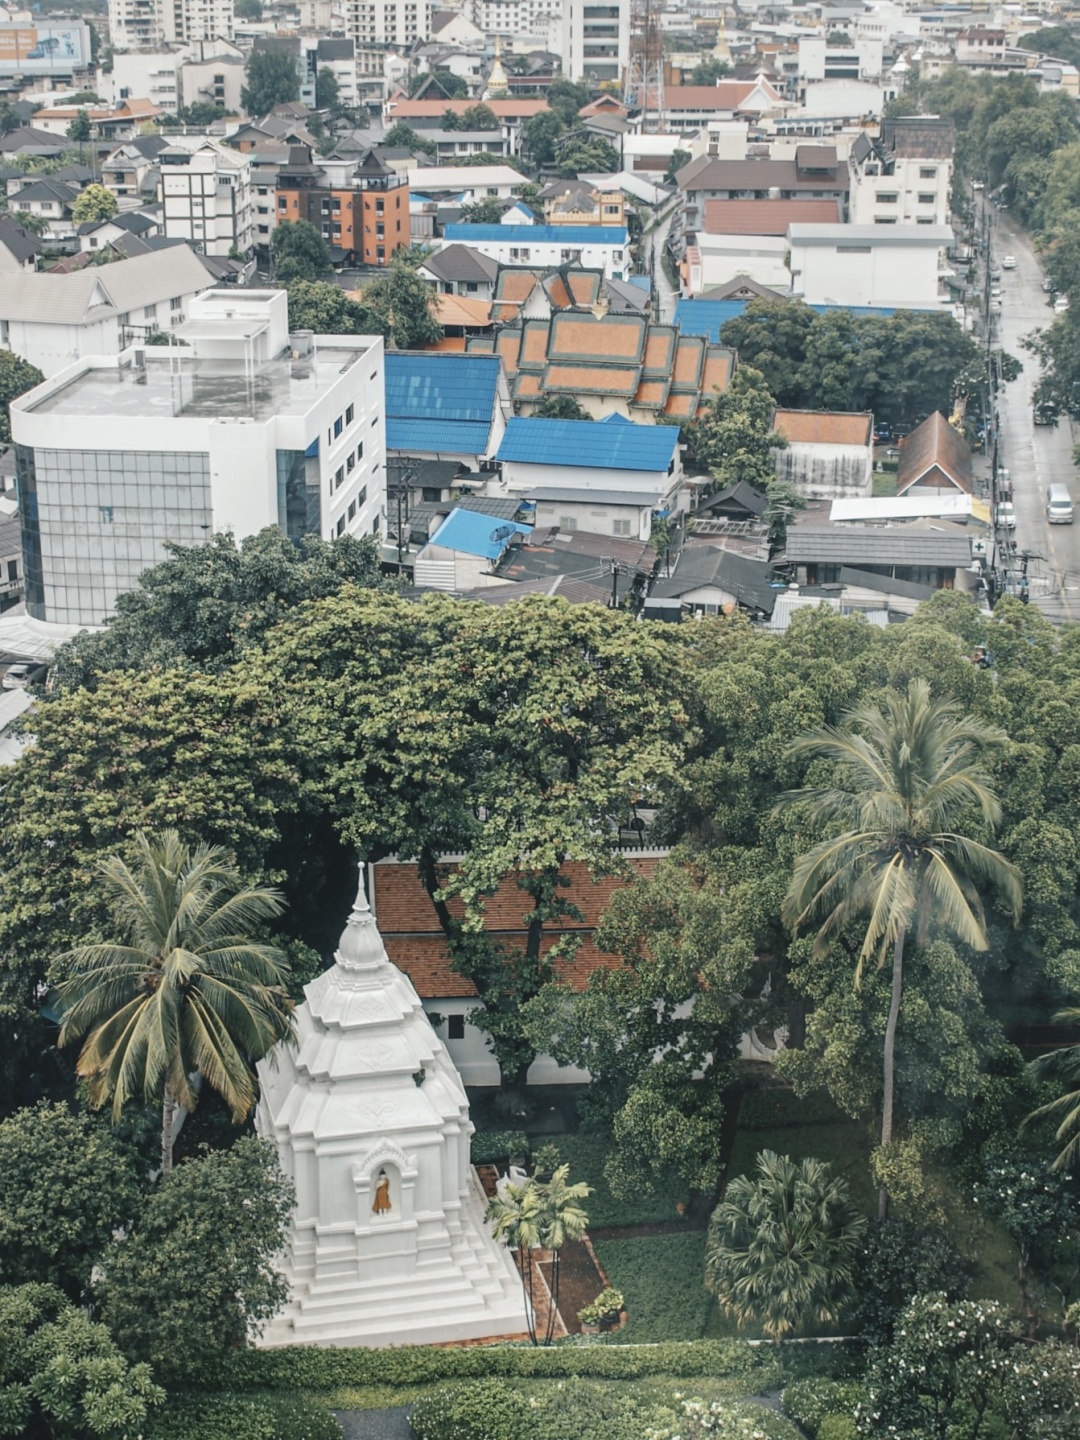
[644,88]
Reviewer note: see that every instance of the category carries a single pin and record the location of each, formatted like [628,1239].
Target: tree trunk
[890,1059]
[553,1307]
[168,1120]
[429,876]
[526,1266]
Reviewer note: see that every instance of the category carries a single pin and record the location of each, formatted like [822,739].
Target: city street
[1034,455]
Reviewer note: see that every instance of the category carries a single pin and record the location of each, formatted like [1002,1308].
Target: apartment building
[595,40]
[205,190]
[360,210]
[387,22]
[152,24]
[905,176]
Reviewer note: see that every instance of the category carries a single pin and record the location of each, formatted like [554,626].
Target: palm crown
[185,990]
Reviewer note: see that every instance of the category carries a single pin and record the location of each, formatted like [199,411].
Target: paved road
[667,295]
[1035,455]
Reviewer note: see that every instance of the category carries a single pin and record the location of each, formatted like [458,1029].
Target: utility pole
[404,479]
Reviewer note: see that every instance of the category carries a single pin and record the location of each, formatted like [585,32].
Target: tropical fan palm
[563,1219]
[781,1246]
[516,1220]
[909,776]
[184,991]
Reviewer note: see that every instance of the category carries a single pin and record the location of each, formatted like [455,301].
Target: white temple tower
[388,1244]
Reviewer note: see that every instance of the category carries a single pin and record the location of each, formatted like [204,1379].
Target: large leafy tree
[734,438]
[323,307]
[94,203]
[271,79]
[782,1244]
[194,1276]
[909,778]
[404,304]
[184,990]
[67,1181]
[207,603]
[299,252]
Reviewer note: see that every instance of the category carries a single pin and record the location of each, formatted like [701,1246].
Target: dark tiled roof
[934,444]
[22,244]
[758,175]
[459,262]
[706,565]
[879,545]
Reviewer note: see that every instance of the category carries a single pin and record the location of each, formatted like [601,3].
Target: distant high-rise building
[596,40]
[388,22]
[151,24]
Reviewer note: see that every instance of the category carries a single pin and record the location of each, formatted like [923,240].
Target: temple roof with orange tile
[824,427]
[414,940]
[593,379]
[689,362]
[614,338]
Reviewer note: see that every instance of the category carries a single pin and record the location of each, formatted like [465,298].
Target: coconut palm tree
[910,781]
[1062,1065]
[516,1219]
[562,1219]
[781,1245]
[184,991]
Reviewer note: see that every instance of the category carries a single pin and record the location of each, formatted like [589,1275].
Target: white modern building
[905,176]
[595,40]
[52,320]
[205,192]
[892,266]
[242,427]
[151,24]
[595,247]
[387,22]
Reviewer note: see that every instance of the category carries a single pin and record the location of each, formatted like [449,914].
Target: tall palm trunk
[553,1307]
[890,1058]
[525,1265]
[168,1121]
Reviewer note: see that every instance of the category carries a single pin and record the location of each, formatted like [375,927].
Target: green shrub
[487,1410]
[301,1368]
[586,1154]
[663,1280]
[837,1427]
[489,1146]
[776,1105]
[814,1401]
[243,1417]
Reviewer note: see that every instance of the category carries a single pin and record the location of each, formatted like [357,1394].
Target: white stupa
[388,1244]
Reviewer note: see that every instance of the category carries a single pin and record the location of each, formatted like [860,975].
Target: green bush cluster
[489,1146]
[588,1410]
[824,1408]
[298,1368]
[243,1417]
[769,1106]
[586,1153]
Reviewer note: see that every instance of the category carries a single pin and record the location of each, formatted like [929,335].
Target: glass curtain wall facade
[94,520]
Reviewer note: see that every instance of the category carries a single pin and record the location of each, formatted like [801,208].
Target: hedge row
[294,1369]
[242,1417]
[489,1146]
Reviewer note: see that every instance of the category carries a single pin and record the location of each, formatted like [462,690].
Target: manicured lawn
[585,1153]
[663,1280]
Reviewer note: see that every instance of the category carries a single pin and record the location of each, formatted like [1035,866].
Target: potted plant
[605,1312]
[545,1162]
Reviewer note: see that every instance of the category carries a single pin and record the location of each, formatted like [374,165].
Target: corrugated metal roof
[589,444]
[440,387]
[437,437]
[705,317]
[474,533]
[880,545]
[565,235]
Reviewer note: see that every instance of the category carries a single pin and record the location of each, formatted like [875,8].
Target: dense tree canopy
[299,251]
[17,376]
[271,78]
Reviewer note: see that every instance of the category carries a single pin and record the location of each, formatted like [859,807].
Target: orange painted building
[362,214]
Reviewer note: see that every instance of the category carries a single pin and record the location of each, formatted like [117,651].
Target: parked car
[1061,304]
[1048,285]
[1006,516]
[30,672]
[1045,414]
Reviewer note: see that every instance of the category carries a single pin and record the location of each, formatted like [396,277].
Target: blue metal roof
[705,317]
[440,403]
[476,534]
[445,437]
[589,444]
[540,234]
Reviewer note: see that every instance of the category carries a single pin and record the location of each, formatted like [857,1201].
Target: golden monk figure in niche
[382,1195]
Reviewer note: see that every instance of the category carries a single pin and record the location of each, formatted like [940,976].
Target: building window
[352,509]
[176,302]
[350,463]
[455,1027]
[350,412]
[339,425]
[361,499]
[886,197]
[928,173]
[339,476]
[926,199]
[339,528]
[620,527]
[567,522]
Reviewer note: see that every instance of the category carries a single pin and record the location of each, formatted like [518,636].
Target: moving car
[29,672]
[1006,516]
[1059,506]
[1008,262]
[1045,414]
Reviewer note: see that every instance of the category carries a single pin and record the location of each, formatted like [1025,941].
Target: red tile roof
[825,427]
[766,217]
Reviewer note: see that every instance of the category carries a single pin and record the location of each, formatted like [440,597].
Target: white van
[1059,505]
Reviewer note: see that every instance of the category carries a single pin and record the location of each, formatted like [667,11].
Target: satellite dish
[502,534]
